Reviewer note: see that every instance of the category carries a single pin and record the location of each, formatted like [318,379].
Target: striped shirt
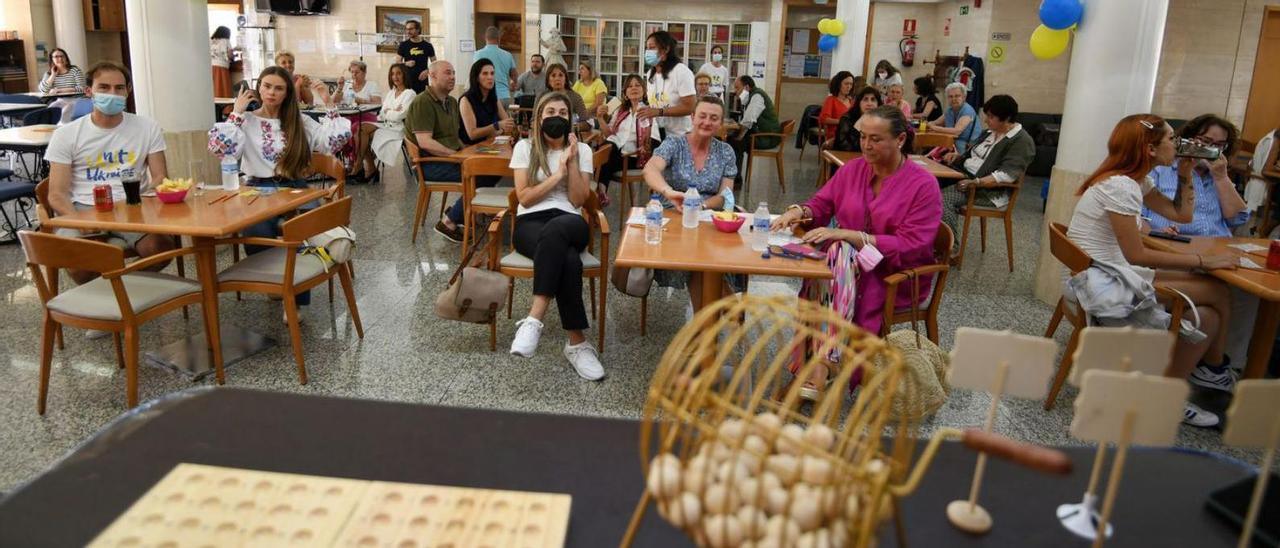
[1207,218]
[73,78]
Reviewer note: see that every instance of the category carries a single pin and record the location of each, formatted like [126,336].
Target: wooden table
[499,151]
[729,127]
[1264,284]
[708,253]
[19,109]
[839,157]
[203,222]
[28,140]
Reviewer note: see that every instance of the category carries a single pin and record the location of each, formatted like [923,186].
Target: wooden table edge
[1263,293]
[307,195]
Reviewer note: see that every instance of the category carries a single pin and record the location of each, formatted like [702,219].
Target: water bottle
[349,96]
[230,173]
[760,228]
[653,221]
[692,207]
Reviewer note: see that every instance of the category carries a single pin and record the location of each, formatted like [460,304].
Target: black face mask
[555,127]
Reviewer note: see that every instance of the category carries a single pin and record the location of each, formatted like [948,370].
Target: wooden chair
[924,142]
[594,265]
[928,309]
[627,193]
[1076,260]
[282,271]
[425,187]
[788,128]
[983,213]
[599,157]
[817,131]
[119,301]
[482,201]
[332,168]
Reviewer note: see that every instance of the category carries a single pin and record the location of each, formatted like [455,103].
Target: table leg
[711,291]
[207,266]
[1264,337]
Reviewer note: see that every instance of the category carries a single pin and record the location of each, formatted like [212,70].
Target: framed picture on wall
[391,22]
[510,39]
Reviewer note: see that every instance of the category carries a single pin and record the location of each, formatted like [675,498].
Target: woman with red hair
[1107,225]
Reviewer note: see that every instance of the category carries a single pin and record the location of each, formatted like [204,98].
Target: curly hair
[1196,127]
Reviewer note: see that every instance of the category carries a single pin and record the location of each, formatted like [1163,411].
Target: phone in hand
[1168,236]
[1191,148]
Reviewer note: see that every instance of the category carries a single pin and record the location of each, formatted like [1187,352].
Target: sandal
[811,392]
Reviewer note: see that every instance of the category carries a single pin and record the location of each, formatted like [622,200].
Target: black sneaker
[452,234]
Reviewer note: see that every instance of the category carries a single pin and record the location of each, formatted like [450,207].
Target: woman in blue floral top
[696,160]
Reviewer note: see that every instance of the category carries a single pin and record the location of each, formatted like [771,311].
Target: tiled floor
[409,355]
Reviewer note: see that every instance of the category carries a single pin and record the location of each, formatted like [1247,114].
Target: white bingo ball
[755,445]
[875,467]
[839,533]
[815,470]
[784,529]
[789,439]
[852,505]
[805,507]
[749,490]
[775,501]
[723,531]
[664,475]
[753,520]
[820,436]
[766,425]
[732,430]
[786,467]
[684,510]
[695,474]
[829,501]
[769,481]
[732,471]
[718,499]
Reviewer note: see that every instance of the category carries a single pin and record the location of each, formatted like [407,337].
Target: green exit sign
[964,10]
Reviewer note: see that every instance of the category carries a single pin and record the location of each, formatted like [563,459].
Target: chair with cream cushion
[486,200]
[119,301]
[282,271]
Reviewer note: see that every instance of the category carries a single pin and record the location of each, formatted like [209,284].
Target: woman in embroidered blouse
[879,201]
[275,142]
[383,139]
[482,114]
[628,133]
[696,160]
[846,137]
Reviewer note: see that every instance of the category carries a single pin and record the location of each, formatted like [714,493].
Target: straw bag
[475,294]
[925,387]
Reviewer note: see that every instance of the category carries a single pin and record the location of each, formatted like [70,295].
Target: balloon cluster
[830,29]
[1057,19]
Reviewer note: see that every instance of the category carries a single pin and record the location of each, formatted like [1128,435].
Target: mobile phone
[1191,148]
[804,251]
[1167,236]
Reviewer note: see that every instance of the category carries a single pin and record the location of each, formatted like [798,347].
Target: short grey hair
[492,34]
[360,65]
[956,85]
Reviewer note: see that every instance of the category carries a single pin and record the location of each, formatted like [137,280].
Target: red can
[1273,257]
[102,199]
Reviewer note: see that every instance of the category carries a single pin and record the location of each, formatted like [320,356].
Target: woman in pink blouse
[883,204]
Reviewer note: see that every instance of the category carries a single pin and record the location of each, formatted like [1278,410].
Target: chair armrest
[995,185]
[755,136]
[437,160]
[892,281]
[271,242]
[149,261]
[496,223]
[1176,309]
[604,222]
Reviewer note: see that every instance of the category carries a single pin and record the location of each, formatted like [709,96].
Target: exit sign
[964,10]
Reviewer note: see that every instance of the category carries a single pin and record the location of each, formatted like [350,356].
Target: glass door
[569,33]
[698,46]
[632,46]
[610,54]
[677,31]
[740,50]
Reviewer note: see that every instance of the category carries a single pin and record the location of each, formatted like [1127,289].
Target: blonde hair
[284,54]
[538,146]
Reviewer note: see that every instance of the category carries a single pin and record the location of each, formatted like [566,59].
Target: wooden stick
[1098,459]
[254,199]
[996,390]
[1113,482]
[1260,486]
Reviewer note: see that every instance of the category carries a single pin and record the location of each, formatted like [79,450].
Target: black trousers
[740,147]
[554,239]
[611,167]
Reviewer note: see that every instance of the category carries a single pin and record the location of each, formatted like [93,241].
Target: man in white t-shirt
[98,149]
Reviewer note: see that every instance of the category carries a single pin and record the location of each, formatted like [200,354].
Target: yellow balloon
[1047,43]
[822,25]
[836,27]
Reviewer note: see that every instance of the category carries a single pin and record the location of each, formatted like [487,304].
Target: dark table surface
[1161,500]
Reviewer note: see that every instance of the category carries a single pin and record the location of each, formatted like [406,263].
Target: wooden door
[1263,112]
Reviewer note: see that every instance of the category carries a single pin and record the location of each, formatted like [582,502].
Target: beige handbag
[475,294]
[925,388]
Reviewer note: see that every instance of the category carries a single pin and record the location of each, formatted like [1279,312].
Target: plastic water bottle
[653,221]
[230,173]
[692,207]
[349,96]
[760,228]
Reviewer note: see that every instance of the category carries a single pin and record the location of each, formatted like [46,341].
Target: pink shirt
[903,218]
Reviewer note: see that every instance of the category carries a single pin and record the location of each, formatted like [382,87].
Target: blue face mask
[651,57]
[108,104]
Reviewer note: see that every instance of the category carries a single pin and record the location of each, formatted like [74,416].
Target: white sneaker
[585,360]
[528,331]
[1195,416]
[284,314]
[1203,376]
[95,334]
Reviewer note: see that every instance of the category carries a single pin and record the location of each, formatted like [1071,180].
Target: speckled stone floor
[409,355]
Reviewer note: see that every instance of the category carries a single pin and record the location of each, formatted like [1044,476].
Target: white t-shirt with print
[98,155]
[719,78]
[665,92]
[558,198]
[1090,226]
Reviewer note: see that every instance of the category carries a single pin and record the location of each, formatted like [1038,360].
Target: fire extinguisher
[907,46]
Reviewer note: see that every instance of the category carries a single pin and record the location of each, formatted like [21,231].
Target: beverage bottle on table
[760,228]
[349,97]
[230,173]
[653,221]
[692,207]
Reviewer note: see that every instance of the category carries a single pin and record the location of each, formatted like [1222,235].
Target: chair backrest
[788,128]
[942,243]
[83,107]
[20,98]
[75,253]
[332,168]
[333,214]
[482,166]
[43,116]
[1065,250]
[600,157]
[45,211]
[925,142]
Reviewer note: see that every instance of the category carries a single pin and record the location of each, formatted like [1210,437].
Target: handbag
[635,282]
[925,367]
[475,294]
[333,246]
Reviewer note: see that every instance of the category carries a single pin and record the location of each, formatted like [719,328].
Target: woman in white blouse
[356,92]
[275,142]
[628,133]
[383,138]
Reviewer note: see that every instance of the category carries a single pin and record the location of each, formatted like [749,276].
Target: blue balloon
[1060,14]
[827,43]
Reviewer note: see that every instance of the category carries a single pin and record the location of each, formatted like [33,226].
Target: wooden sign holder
[1253,420]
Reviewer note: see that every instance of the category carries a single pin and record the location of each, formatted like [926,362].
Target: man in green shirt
[433,122]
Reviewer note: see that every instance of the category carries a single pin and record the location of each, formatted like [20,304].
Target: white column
[850,52]
[459,24]
[68,30]
[169,51]
[1114,58]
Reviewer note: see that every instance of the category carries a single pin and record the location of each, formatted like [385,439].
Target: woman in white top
[383,139]
[1106,225]
[63,77]
[275,142]
[220,58]
[357,92]
[886,75]
[629,134]
[718,71]
[671,91]
[553,173]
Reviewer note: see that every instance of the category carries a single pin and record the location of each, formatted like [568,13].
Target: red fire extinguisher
[907,46]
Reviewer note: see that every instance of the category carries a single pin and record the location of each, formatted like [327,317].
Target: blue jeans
[453,172]
[270,228]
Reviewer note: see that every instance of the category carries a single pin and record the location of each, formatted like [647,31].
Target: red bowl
[729,226]
[172,197]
